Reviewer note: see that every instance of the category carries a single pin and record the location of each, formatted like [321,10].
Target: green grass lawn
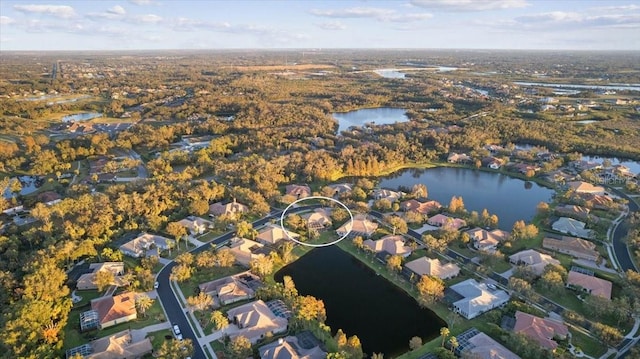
[157,338]
[588,345]
[190,287]
[87,296]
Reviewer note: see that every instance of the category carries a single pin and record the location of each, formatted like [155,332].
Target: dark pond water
[362,303]
[511,199]
[380,116]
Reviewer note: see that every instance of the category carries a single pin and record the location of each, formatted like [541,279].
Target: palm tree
[453,343]
[444,333]
[143,302]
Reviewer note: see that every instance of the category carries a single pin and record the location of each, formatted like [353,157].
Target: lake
[380,115]
[616,87]
[362,303]
[29,185]
[85,116]
[511,199]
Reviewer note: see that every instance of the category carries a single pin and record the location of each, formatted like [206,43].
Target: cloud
[563,20]
[354,12]
[616,8]
[117,10]
[141,2]
[149,18]
[60,11]
[5,20]
[332,25]
[380,14]
[469,5]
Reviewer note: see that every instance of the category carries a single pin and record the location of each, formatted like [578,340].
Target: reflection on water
[360,302]
[511,199]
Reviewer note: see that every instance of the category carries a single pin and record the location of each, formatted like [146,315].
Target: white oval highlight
[286,231]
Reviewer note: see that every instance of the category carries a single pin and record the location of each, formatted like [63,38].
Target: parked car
[156,285]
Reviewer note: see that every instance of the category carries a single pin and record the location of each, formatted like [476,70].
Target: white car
[176,331]
[156,285]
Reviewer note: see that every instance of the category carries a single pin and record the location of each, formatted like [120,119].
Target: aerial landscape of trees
[263,130]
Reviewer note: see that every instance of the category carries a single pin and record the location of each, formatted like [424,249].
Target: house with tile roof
[487,240]
[87,280]
[231,289]
[138,246]
[360,226]
[112,310]
[119,345]
[446,222]
[232,208]
[424,208]
[273,234]
[390,244]
[195,225]
[575,247]
[290,347]
[533,260]
[585,187]
[475,344]
[573,227]
[246,250]
[255,321]
[541,330]
[433,267]
[589,284]
[298,191]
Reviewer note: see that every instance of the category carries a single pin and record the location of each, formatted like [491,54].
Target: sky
[229,24]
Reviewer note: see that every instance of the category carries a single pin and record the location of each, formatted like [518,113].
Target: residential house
[119,345]
[458,158]
[290,347]
[298,191]
[585,187]
[585,165]
[319,219]
[232,289]
[195,225]
[389,244]
[233,209]
[525,168]
[246,250]
[574,211]
[432,267]
[487,240]
[541,330]
[272,234]
[387,194]
[340,188]
[446,222]
[109,311]
[470,298]
[360,226]
[140,245]
[533,260]
[87,280]
[575,247]
[255,321]
[424,208]
[571,226]
[475,344]
[597,201]
[49,198]
[589,284]
[492,162]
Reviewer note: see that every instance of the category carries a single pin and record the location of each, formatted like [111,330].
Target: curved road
[619,246]
[176,314]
